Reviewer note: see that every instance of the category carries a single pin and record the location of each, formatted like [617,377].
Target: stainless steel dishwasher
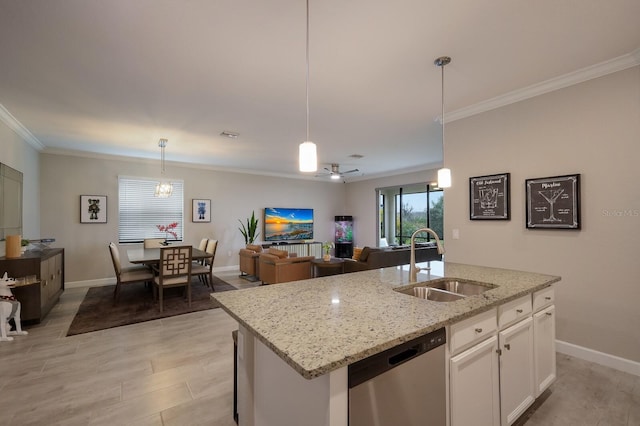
[404,385]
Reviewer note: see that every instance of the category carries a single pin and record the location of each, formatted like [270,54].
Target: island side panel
[270,392]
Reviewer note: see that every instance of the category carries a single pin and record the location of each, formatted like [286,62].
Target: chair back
[175,261]
[115,258]
[153,242]
[212,246]
[203,244]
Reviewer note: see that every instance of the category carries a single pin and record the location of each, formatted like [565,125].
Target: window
[140,212]
[405,209]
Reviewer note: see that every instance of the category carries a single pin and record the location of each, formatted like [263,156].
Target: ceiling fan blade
[350,171]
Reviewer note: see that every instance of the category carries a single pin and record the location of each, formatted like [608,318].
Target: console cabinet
[39,297]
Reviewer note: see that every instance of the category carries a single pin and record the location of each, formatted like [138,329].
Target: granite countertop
[322,324]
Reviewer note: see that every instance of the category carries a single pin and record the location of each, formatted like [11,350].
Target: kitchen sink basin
[433,294]
[446,289]
[464,287]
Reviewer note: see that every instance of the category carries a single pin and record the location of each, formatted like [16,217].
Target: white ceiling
[113,77]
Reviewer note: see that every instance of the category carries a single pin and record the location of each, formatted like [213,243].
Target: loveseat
[279,266]
[376,257]
[249,260]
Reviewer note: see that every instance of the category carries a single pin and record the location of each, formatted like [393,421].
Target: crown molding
[19,129]
[594,71]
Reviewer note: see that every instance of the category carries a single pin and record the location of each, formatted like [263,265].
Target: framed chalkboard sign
[490,197]
[553,202]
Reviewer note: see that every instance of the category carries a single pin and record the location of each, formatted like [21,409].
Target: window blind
[140,211]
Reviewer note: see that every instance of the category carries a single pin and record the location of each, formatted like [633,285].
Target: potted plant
[249,232]
[326,248]
[23,245]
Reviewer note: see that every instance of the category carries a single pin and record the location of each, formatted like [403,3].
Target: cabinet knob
[499,351]
[549,314]
[519,311]
[478,330]
[547,298]
[507,346]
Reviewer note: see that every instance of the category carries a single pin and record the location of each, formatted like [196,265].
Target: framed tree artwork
[93,209]
[553,202]
[490,197]
[201,210]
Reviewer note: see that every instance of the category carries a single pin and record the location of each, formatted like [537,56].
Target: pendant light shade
[307,155]
[444,178]
[163,189]
[308,160]
[444,174]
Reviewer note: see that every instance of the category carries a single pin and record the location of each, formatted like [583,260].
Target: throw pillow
[364,254]
[357,251]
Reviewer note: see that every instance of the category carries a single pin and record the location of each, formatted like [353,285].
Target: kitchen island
[299,337]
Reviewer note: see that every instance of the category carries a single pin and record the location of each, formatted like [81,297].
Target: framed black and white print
[93,209]
[553,202]
[490,197]
[201,210]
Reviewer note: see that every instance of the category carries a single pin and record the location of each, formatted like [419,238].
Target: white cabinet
[475,395]
[516,370]
[544,343]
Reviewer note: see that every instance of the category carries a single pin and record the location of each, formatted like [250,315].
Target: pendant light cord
[442,116]
[307,47]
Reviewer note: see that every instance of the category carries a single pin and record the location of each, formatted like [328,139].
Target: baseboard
[91,283]
[608,360]
[111,281]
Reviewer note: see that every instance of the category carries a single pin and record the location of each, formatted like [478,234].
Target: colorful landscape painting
[283,224]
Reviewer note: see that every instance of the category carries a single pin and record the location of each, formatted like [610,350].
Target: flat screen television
[285,224]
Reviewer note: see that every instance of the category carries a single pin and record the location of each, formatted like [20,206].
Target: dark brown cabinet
[39,297]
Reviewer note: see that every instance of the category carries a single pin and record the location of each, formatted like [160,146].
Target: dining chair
[153,242]
[205,271]
[202,247]
[174,270]
[127,275]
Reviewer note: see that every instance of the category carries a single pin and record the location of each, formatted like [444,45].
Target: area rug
[135,304]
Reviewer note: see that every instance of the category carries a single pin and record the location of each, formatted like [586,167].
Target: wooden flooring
[179,371]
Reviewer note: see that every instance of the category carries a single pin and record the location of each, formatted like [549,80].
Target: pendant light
[163,189]
[307,155]
[444,174]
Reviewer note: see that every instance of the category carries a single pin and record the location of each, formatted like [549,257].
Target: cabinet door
[544,344]
[474,381]
[516,370]
[45,283]
[55,265]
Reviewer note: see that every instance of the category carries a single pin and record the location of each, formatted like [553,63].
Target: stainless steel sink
[446,289]
[433,294]
[464,287]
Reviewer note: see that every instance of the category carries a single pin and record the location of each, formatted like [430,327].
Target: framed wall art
[201,210]
[490,197]
[93,209]
[553,202]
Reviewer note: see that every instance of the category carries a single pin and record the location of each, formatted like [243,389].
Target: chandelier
[163,189]
[444,174]
[307,155]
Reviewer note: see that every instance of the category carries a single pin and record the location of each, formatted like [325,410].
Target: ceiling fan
[335,173]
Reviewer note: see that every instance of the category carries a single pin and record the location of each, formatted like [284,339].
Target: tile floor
[179,371]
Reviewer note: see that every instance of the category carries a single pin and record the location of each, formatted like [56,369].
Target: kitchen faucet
[413,269]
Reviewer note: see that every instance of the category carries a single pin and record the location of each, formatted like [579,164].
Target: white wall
[233,196]
[17,154]
[592,128]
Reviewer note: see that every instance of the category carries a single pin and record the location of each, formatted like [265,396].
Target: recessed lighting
[232,135]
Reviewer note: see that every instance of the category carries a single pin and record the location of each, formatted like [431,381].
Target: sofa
[249,265]
[279,266]
[376,257]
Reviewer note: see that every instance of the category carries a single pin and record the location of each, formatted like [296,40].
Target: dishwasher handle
[405,355]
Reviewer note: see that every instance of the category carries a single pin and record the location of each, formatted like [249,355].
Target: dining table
[151,256]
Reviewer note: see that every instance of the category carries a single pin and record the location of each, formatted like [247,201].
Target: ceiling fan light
[308,158]
[335,176]
[444,178]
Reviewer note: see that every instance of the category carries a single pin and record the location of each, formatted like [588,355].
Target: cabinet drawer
[513,311]
[542,298]
[472,330]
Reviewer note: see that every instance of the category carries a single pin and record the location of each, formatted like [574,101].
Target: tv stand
[299,248]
